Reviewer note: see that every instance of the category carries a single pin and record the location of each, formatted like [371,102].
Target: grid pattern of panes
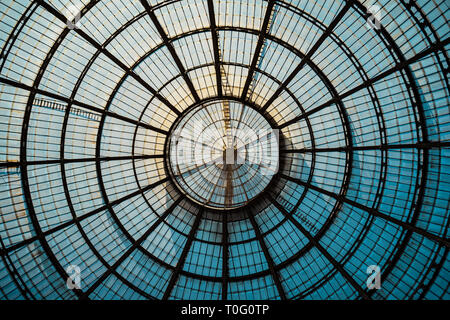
[87,101]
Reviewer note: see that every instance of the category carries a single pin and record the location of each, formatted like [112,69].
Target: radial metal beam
[308,56]
[132,248]
[108,54]
[431,280]
[322,250]
[418,145]
[399,66]
[184,253]
[169,46]
[225,255]
[227,173]
[10,164]
[270,263]
[259,45]
[376,213]
[215,42]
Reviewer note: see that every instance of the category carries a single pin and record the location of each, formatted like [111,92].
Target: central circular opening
[222,154]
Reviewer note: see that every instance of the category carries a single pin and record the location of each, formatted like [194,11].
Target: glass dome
[222,154]
[98,201]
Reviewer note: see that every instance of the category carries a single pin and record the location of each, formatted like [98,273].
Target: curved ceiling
[93,94]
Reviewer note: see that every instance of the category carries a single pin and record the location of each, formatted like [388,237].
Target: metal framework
[138,170]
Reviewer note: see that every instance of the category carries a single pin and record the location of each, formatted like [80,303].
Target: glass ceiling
[93,95]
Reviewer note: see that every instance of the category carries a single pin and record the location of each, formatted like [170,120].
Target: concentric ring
[92,111]
[222,154]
